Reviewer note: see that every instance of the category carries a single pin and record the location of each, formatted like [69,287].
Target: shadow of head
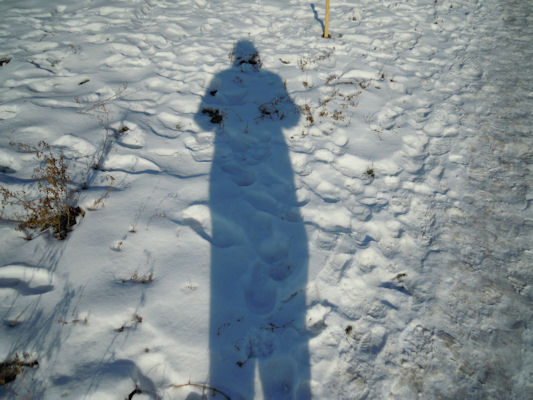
[246,56]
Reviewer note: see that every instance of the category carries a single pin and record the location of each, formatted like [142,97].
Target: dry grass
[142,279]
[137,319]
[9,370]
[308,114]
[52,209]
[99,203]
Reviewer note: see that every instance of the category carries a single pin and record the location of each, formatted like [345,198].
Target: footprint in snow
[25,279]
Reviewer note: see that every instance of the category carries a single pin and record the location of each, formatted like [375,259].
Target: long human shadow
[259,251]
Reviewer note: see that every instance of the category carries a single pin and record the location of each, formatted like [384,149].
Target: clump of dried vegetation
[137,319]
[52,208]
[214,114]
[11,368]
[142,279]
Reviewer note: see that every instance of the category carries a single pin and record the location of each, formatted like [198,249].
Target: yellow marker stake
[326,35]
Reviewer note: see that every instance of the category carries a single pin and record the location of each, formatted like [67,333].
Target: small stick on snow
[200,386]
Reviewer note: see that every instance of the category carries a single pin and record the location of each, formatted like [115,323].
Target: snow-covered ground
[352,221]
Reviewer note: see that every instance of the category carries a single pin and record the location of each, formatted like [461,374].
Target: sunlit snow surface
[411,176]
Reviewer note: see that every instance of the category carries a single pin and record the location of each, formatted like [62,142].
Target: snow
[344,218]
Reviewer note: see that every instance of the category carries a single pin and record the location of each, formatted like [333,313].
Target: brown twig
[202,386]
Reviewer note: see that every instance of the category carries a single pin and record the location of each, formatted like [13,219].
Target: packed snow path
[412,177]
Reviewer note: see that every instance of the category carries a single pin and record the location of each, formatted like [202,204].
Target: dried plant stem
[202,386]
